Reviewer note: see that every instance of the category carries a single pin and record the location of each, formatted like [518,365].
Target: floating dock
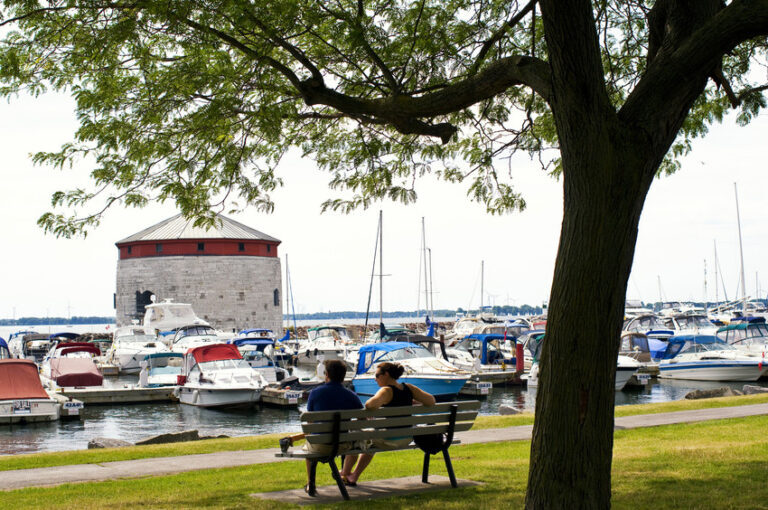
[71,409]
[128,394]
[476,388]
[282,397]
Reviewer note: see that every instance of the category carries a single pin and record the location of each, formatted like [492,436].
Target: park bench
[434,424]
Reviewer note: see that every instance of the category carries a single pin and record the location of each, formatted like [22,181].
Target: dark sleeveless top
[400,397]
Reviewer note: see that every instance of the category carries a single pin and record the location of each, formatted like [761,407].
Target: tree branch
[496,37]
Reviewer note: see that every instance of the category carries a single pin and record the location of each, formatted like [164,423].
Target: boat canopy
[3,344]
[433,345]
[65,334]
[155,355]
[215,352]
[368,354]
[4,351]
[89,348]
[256,331]
[488,358]
[19,379]
[62,345]
[263,342]
[678,344]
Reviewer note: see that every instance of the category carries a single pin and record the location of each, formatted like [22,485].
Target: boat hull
[213,397]
[713,370]
[28,411]
[440,387]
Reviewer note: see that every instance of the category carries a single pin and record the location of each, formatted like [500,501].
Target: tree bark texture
[572,442]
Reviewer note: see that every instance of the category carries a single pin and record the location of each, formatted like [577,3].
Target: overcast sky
[330,255]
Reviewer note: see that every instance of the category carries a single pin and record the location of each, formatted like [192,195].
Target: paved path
[40,477]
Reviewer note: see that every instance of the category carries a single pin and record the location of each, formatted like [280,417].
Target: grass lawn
[37,460]
[712,465]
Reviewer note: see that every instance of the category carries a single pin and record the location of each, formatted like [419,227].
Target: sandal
[347,482]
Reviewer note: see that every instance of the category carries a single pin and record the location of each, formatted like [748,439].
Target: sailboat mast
[741,254]
[431,289]
[482,283]
[706,303]
[717,288]
[424,256]
[381,267]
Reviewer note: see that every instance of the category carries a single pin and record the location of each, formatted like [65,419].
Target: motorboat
[650,325]
[216,375]
[168,316]
[194,335]
[281,352]
[5,353]
[422,369]
[708,358]
[33,345]
[161,369]
[130,346]
[482,355]
[330,342]
[72,364]
[22,396]
[689,324]
[750,336]
[635,346]
[626,367]
[259,355]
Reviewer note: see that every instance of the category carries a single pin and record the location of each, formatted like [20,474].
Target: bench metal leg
[312,473]
[425,469]
[337,477]
[449,467]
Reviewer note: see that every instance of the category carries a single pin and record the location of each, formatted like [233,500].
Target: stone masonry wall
[230,292]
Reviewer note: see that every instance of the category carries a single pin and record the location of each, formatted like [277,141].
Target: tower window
[129,250]
[240,246]
[200,246]
[158,248]
[276,297]
[269,248]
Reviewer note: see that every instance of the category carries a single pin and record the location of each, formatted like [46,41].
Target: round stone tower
[230,274]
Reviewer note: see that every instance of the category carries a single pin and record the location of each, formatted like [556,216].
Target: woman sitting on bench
[391,394]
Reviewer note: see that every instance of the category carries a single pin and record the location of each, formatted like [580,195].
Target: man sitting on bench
[331,396]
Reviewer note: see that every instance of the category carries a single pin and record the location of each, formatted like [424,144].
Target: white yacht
[689,324]
[708,358]
[194,335]
[161,369]
[217,376]
[25,400]
[330,342]
[482,355]
[72,364]
[168,316]
[747,336]
[130,346]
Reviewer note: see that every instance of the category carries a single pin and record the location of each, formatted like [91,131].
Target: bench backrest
[388,422]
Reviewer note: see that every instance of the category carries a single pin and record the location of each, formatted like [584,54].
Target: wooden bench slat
[395,421]
[387,433]
[464,405]
[299,453]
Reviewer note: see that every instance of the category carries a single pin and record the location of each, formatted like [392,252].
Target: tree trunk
[605,185]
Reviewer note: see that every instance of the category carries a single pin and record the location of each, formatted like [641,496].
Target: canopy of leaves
[198,101]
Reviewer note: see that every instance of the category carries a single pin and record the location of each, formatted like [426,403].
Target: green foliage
[199,101]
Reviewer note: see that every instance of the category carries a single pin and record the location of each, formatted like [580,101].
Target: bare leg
[349,464]
[365,459]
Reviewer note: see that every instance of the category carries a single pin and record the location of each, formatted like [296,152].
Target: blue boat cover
[485,338]
[657,348]
[2,343]
[378,350]
[66,334]
[252,341]
[286,337]
[164,355]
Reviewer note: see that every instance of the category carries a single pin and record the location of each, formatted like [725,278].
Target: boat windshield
[138,339]
[693,321]
[405,353]
[196,331]
[334,332]
[473,344]
[223,364]
[165,361]
[643,324]
[691,347]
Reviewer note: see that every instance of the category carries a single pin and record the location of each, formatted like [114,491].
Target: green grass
[708,465]
[37,460]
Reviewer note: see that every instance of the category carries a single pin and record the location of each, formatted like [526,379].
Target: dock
[129,394]
[70,408]
[476,388]
[282,397]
